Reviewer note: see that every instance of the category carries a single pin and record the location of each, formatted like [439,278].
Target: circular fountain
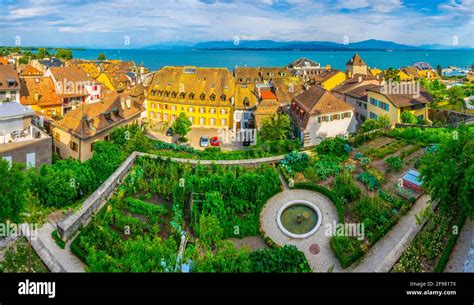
[299,218]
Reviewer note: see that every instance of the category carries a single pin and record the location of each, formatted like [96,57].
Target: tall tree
[392,74]
[13,191]
[101,56]
[448,173]
[182,126]
[276,127]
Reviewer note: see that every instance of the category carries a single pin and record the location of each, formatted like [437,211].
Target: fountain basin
[299,218]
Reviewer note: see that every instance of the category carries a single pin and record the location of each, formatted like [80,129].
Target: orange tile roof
[30,71]
[317,100]
[39,91]
[90,119]
[268,95]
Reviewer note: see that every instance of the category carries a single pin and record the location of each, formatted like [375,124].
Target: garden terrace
[161,199]
[368,191]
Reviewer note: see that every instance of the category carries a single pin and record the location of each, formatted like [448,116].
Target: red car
[215,141]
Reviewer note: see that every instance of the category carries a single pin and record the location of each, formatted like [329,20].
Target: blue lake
[155,59]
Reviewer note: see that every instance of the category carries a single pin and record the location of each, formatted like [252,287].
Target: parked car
[170,132]
[215,141]
[204,141]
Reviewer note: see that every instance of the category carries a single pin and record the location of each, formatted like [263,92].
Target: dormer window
[223,97]
[191,96]
[160,93]
[182,95]
[153,92]
[174,94]
[246,101]
[202,96]
[167,94]
[169,83]
[108,117]
[212,97]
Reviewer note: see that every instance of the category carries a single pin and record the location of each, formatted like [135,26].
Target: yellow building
[115,81]
[205,95]
[393,105]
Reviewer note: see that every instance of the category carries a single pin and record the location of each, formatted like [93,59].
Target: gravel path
[385,253]
[325,259]
[462,257]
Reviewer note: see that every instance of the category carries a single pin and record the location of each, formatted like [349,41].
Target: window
[173,107]
[173,117]
[223,111]
[191,119]
[202,121]
[223,122]
[373,116]
[158,116]
[152,114]
[92,146]
[213,110]
[191,109]
[202,110]
[73,145]
[166,117]
[30,160]
[213,121]
[9,160]
[373,101]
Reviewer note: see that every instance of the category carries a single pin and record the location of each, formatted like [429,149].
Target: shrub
[394,164]
[345,187]
[369,180]
[347,249]
[61,244]
[335,147]
[287,259]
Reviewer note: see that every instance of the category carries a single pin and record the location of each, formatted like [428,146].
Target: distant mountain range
[270,45]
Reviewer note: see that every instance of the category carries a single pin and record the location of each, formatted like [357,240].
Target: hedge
[444,258]
[317,188]
[353,249]
[76,249]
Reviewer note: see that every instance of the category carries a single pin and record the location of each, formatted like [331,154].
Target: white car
[204,141]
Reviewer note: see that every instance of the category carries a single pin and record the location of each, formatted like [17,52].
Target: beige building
[356,65]
[75,134]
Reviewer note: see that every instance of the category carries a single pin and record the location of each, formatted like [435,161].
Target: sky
[141,23]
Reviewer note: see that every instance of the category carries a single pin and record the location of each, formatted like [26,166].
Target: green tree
[382,121]
[409,118]
[101,57]
[24,60]
[13,191]
[455,95]
[42,53]
[182,126]
[439,70]
[392,75]
[64,54]
[448,172]
[276,127]
[106,159]
[394,164]
[210,231]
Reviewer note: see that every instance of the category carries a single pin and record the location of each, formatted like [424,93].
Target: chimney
[359,79]
[122,102]
[37,96]
[128,101]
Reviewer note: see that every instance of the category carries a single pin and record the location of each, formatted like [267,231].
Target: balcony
[29,133]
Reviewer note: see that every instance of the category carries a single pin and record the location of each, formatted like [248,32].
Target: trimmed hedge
[317,188]
[448,248]
[61,244]
[347,249]
[77,250]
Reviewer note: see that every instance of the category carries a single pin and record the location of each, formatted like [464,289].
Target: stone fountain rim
[309,204]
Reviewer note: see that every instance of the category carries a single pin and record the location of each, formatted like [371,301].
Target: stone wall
[68,227]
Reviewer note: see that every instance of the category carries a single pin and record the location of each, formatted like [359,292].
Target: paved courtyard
[325,259]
